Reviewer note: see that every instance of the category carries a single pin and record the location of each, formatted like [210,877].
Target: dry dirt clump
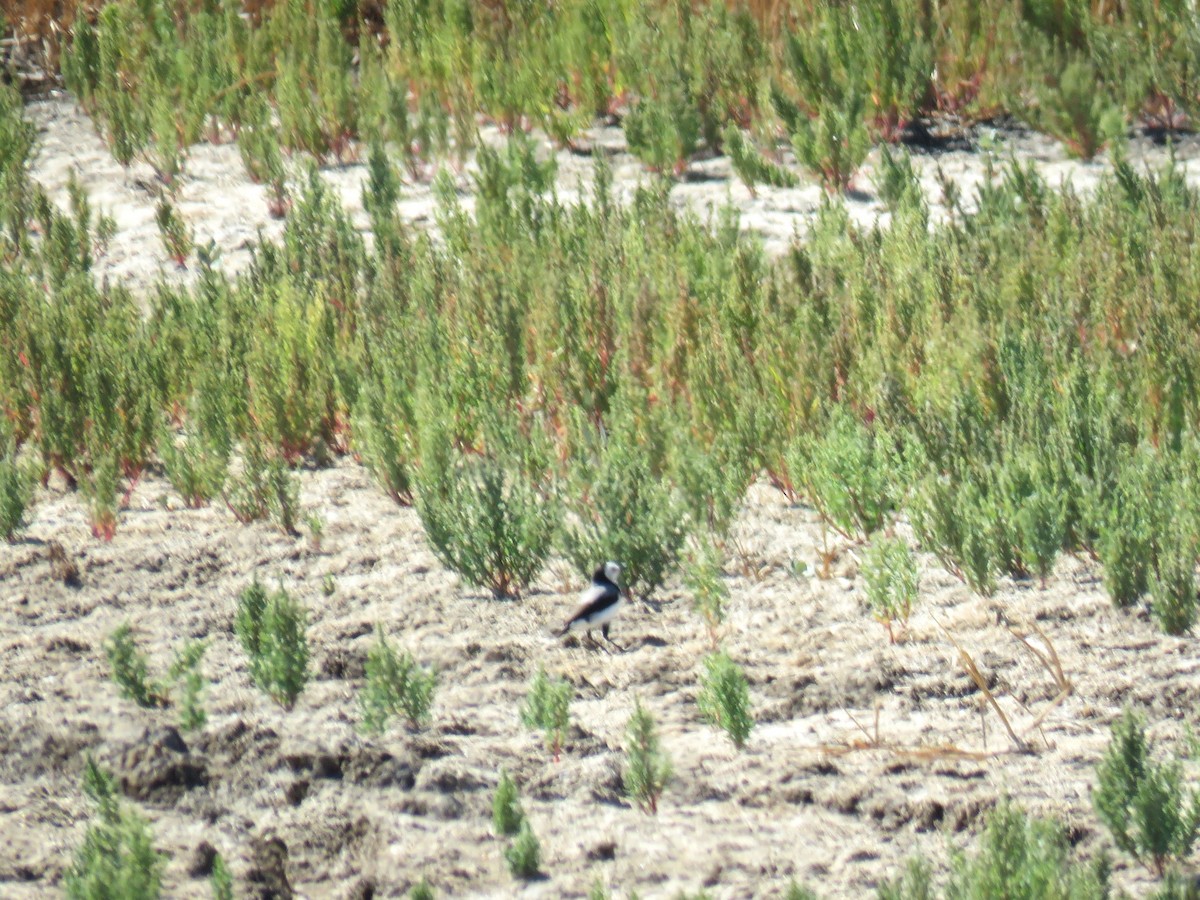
[864,752]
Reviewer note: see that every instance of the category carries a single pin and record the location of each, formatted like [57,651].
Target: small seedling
[220,880]
[724,697]
[709,592]
[176,236]
[395,684]
[316,531]
[507,814]
[890,571]
[185,671]
[1144,803]
[117,857]
[130,670]
[16,490]
[272,630]
[524,854]
[648,769]
[547,708]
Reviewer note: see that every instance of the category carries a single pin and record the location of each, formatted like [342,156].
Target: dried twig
[981,683]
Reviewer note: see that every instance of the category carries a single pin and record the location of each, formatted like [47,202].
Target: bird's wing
[593,599]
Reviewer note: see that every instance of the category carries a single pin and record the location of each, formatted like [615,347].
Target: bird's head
[612,571]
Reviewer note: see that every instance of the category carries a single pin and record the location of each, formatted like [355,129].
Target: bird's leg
[604,631]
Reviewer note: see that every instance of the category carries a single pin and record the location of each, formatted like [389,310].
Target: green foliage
[958,523]
[648,769]
[750,165]
[264,489]
[130,670]
[624,512]
[272,631]
[1070,107]
[1125,531]
[915,884]
[117,859]
[1144,803]
[185,671]
[849,472]
[1173,583]
[16,487]
[421,891]
[799,892]
[507,814]
[524,854]
[176,236]
[1024,859]
[704,579]
[724,697]
[851,75]
[220,880]
[17,140]
[890,571]
[395,684]
[196,465]
[488,520]
[547,708]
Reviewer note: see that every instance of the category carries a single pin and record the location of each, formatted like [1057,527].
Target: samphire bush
[724,697]
[1146,805]
[395,684]
[272,629]
[117,857]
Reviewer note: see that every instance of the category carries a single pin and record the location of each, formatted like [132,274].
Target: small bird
[598,604]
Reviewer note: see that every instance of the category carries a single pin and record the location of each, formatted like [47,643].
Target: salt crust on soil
[864,753]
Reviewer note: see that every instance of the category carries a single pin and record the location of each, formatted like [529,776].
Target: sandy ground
[864,753]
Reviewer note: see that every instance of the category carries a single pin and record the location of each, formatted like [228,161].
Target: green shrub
[834,144]
[1144,803]
[264,488]
[1125,531]
[957,521]
[704,579]
[626,513]
[196,465]
[890,571]
[724,697]
[1024,859]
[185,671]
[1070,107]
[395,684]
[117,857]
[750,165]
[1173,584]
[488,521]
[850,474]
[524,854]
[271,629]
[176,235]
[220,880]
[648,769]
[849,71]
[130,670]
[16,488]
[799,892]
[547,708]
[507,814]
[915,884]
